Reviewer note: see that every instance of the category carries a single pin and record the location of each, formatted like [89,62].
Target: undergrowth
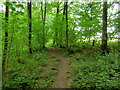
[23,73]
[91,70]
[48,76]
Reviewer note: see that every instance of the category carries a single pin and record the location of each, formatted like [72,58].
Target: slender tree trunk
[64,9]
[66,15]
[119,34]
[42,10]
[90,20]
[30,25]
[104,30]
[5,53]
[56,38]
[43,15]
[119,25]
[44,31]
[61,34]
[57,42]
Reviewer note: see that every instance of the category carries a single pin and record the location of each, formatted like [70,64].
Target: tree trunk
[42,10]
[118,35]
[30,26]
[91,19]
[61,34]
[5,53]
[104,30]
[66,15]
[119,25]
[56,39]
[43,15]
[93,44]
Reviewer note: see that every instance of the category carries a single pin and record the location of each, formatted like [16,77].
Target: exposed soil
[61,77]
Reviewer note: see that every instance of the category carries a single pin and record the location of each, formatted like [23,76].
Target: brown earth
[61,77]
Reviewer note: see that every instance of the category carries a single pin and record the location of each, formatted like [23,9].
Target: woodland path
[61,77]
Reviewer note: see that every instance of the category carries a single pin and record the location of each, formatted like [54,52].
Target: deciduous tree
[5,53]
[30,25]
[104,29]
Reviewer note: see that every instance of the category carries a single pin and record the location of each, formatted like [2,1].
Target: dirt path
[61,77]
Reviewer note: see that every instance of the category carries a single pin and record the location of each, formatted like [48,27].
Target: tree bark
[119,25]
[118,29]
[30,26]
[56,38]
[44,19]
[104,30]
[66,15]
[42,10]
[43,15]
[61,34]
[5,53]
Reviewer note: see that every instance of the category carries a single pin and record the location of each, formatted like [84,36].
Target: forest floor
[57,68]
[61,80]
